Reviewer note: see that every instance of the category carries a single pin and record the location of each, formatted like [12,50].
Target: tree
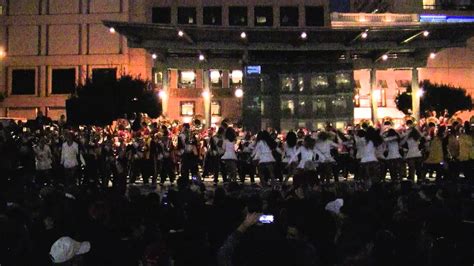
[100,102]
[437,97]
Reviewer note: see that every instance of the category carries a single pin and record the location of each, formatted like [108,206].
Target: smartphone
[266,219]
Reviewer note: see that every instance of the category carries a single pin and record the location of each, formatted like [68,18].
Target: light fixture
[420,93]
[304,35]
[432,55]
[206,94]
[243,35]
[364,35]
[112,30]
[162,94]
[180,33]
[154,56]
[384,57]
[201,57]
[239,93]
[2,53]
[426,33]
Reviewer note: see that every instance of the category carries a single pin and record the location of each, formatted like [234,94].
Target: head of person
[323,135]
[374,136]
[65,249]
[308,142]
[392,133]
[291,139]
[230,134]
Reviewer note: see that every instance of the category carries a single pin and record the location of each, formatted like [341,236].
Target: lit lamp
[162,94]
[2,53]
[206,94]
[112,30]
[239,93]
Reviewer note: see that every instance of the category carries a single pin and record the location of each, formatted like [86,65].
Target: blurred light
[304,35]
[187,119]
[243,35]
[420,93]
[154,56]
[180,33]
[162,94]
[2,53]
[237,76]
[239,93]
[362,19]
[364,35]
[112,30]
[432,55]
[206,94]
[384,57]
[215,76]
[201,57]
[426,33]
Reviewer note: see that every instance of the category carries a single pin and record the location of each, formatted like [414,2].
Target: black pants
[189,165]
[246,167]
[147,168]
[167,170]
[414,166]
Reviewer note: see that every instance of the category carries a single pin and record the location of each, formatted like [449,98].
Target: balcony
[372,20]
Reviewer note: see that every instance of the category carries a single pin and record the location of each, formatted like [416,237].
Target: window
[161,15]
[104,75]
[216,108]
[381,93]
[319,106]
[289,16]
[187,79]
[63,81]
[212,15]
[263,16]
[215,78]
[343,80]
[186,15]
[339,104]
[315,16]
[292,83]
[23,81]
[157,77]
[187,108]
[236,77]
[319,81]
[429,4]
[287,108]
[238,16]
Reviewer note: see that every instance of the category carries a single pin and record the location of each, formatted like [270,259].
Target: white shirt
[263,153]
[288,153]
[393,148]
[413,147]
[43,158]
[368,154]
[229,150]
[360,145]
[306,156]
[323,149]
[69,155]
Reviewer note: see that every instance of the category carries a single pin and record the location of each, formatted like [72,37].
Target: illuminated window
[263,16]
[429,4]
[63,81]
[186,15]
[287,107]
[238,16]
[287,83]
[357,93]
[340,104]
[23,81]
[216,108]
[236,77]
[343,80]
[340,125]
[157,77]
[289,16]
[187,108]
[319,81]
[319,106]
[381,93]
[212,15]
[187,79]
[215,78]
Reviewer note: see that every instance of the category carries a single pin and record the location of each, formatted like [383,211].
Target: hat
[335,206]
[66,248]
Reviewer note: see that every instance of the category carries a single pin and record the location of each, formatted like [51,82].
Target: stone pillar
[373,99]
[207,96]
[166,91]
[415,94]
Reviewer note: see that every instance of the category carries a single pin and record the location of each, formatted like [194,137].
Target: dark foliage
[100,102]
[437,97]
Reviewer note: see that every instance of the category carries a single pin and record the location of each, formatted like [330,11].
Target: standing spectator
[263,154]
[43,162]
[70,160]
[230,157]
[413,156]
[466,152]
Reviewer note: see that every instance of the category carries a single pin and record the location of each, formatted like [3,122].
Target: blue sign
[253,70]
[446,19]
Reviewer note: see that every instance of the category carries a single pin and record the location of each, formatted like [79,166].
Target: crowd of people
[68,194]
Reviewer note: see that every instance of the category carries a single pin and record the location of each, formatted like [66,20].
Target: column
[207,96]
[165,94]
[373,98]
[415,94]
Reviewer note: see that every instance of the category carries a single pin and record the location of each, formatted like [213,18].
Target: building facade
[52,45]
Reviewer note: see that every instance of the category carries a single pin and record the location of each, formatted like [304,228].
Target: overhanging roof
[323,43]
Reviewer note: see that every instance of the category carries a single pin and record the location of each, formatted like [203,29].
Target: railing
[369,19]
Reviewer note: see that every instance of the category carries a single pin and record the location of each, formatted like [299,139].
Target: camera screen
[266,219]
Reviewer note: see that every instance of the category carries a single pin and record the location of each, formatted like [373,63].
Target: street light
[364,35]
[304,35]
[202,57]
[154,56]
[180,33]
[112,30]
[243,35]
[426,33]
[384,57]
[206,94]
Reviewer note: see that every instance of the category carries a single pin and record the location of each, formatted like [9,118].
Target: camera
[266,219]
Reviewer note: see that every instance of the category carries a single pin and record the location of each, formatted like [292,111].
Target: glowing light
[304,35]
[2,53]
[187,119]
[420,93]
[215,76]
[112,30]
[201,57]
[237,76]
[162,94]
[239,93]
[362,19]
[426,33]
[384,57]
[364,35]
[243,35]
[180,33]
[432,55]
[154,56]
[206,94]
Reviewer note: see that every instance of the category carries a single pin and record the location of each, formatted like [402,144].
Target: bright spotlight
[180,33]
[426,33]
[239,93]
[243,35]
[432,55]
[384,57]
[304,35]
[201,57]
[154,56]
[364,35]
[112,30]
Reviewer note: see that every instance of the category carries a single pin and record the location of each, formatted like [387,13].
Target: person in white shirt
[230,156]
[326,161]
[413,156]
[43,162]
[359,144]
[369,164]
[263,154]
[289,150]
[307,166]
[393,160]
[69,160]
